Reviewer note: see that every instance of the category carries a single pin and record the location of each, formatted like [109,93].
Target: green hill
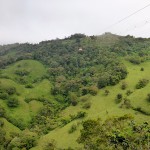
[49,90]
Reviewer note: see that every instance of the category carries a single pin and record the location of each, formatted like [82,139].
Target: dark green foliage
[93,90]
[142,69]
[22,72]
[11,90]
[27,100]
[73,98]
[2,111]
[21,80]
[25,140]
[12,102]
[51,145]
[77,36]
[72,129]
[2,137]
[107,92]
[17,122]
[29,86]
[46,119]
[148,97]
[103,81]
[141,110]
[84,91]
[129,92]
[126,103]
[40,99]
[1,123]
[116,133]
[142,83]
[80,114]
[3,95]
[119,98]
[124,85]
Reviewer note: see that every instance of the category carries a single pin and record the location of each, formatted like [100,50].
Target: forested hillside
[64,93]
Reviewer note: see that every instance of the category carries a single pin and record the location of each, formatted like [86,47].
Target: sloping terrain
[48,90]
[103,107]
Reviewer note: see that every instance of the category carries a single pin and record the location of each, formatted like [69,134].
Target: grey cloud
[37,20]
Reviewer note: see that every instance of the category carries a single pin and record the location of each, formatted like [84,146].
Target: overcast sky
[37,20]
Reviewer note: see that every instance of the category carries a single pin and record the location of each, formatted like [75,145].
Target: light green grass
[36,70]
[25,111]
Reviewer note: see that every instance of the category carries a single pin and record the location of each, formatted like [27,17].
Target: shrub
[103,81]
[141,110]
[12,102]
[3,95]
[65,121]
[25,140]
[29,86]
[142,69]
[27,100]
[84,91]
[128,92]
[1,123]
[80,114]
[72,129]
[2,111]
[73,98]
[142,83]
[107,92]
[124,85]
[22,72]
[93,90]
[148,97]
[21,80]
[51,145]
[126,104]
[119,98]
[11,90]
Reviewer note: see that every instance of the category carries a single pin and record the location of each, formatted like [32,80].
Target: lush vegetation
[115,133]
[49,88]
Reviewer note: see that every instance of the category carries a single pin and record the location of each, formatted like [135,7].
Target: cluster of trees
[25,140]
[9,95]
[115,133]
[142,83]
[74,70]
